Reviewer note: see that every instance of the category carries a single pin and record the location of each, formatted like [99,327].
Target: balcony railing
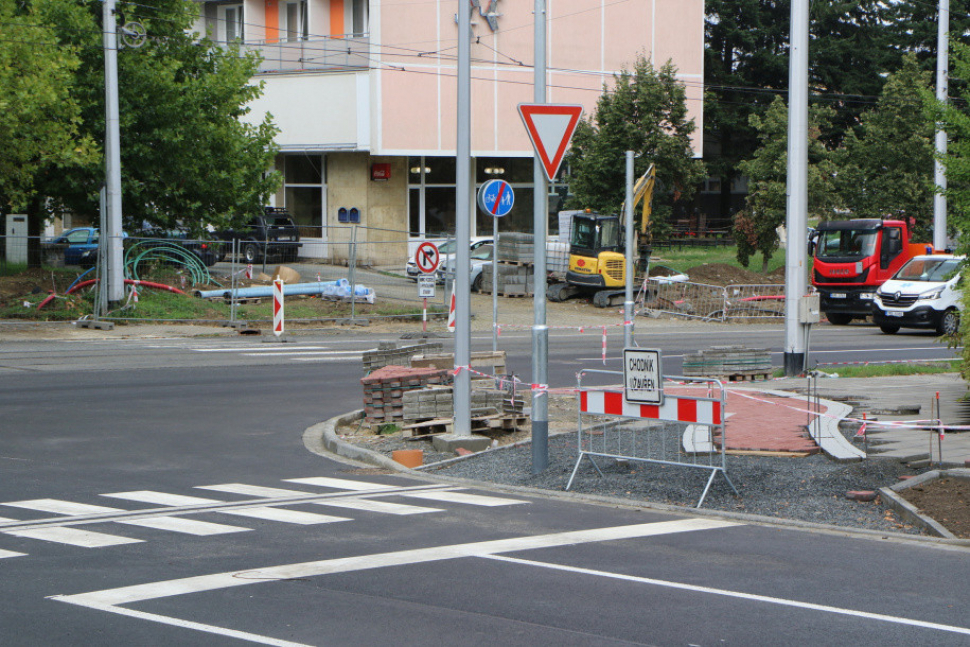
[317,54]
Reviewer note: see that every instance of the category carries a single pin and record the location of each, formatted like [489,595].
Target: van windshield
[846,243]
[928,269]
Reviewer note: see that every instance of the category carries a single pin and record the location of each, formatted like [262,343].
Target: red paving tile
[768,423]
[758,421]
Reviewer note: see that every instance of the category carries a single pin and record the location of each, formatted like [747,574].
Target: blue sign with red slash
[496,198]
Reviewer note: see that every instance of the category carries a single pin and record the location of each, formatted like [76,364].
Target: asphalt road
[158,492]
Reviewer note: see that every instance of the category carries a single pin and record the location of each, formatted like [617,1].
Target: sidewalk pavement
[776,424]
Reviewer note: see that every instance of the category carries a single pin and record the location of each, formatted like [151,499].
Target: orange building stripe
[337,18]
[272,21]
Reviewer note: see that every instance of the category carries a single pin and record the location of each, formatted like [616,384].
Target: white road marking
[372,505]
[738,594]
[56,506]
[326,359]
[198,626]
[187,526]
[231,579]
[161,498]
[283,515]
[297,351]
[254,490]
[4,554]
[462,497]
[339,484]
[7,520]
[253,349]
[73,537]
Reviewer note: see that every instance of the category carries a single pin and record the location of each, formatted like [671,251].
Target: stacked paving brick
[388,354]
[729,362]
[513,280]
[384,389]
[438,402]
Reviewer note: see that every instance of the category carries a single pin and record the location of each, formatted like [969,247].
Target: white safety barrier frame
[698,416]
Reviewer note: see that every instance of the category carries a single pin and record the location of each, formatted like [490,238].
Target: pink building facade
[364,92]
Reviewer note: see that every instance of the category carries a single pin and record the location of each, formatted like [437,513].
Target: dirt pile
[722,274]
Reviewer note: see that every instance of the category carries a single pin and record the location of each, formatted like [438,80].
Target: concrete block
[451,442]
[408,457]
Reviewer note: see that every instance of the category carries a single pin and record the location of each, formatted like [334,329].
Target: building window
[431,196]
[230,26]
[305,191]
[359,17]
[293,21]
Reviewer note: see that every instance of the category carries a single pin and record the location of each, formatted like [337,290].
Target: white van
[924,293]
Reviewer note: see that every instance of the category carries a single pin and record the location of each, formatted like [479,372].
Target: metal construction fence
[686,430]
[713,302]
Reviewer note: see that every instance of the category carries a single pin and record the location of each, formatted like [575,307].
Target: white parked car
[446,251]
[479,258]
[924,293]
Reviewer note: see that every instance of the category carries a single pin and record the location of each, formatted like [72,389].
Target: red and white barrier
[674,408]
[278,307]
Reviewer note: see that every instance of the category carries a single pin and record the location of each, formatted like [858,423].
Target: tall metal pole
[540,333]
[628,290]
[942,82]
[463,338]
[796,273]
[114,272]
[494,284]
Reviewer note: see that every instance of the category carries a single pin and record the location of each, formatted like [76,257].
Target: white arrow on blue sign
[496,198]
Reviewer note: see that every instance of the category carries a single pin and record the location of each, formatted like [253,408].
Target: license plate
[894,314]
[837,295]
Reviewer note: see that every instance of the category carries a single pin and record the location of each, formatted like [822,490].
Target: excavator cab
[595,252]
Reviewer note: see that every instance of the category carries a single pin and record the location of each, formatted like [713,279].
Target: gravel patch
[806,489]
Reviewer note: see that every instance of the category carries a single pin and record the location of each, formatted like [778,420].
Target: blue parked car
[82,246]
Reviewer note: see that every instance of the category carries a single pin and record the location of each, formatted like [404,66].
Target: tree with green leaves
[645,111]
[756,228]
[887,169]
[186,154]
[39,117]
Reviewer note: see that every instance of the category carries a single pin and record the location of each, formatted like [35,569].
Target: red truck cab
[853,258]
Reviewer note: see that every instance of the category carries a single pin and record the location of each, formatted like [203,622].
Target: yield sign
[550,127]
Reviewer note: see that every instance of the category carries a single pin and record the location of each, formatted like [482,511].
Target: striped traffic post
[278,307]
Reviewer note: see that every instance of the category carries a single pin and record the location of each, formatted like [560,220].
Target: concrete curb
[321,437]
[911,513]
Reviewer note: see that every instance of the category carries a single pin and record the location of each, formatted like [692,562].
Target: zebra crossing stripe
[162,498]
[451,496]
[186,526]
[56,506]
[4,554]
[371,505]
[339,484]
[73,537]
[284,516]
[254,490]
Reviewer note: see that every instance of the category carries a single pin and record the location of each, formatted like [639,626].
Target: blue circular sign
[496,198]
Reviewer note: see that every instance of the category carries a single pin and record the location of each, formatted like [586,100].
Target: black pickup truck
[271,235]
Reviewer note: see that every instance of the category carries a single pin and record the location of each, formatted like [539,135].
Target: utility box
[16,239]
[809,309]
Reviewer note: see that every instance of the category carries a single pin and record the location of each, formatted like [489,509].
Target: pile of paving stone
[384,390]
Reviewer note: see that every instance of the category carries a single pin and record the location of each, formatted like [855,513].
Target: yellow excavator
[597,264]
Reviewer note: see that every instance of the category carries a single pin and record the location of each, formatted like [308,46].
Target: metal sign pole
[494,284]
[540,332]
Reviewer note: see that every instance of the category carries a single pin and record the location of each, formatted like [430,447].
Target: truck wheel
[250,252]
[949,323]
[889,329]
[838,318]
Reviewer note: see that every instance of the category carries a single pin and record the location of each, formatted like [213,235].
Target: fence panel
[684,299]
[754,301]
[686,430]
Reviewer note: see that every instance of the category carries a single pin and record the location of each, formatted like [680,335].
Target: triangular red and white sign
[550,127]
